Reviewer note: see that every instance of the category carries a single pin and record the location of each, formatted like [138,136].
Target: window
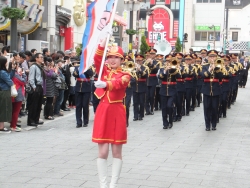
[160,2]
[208,1]
[206,36]
[175,4]
[234,36]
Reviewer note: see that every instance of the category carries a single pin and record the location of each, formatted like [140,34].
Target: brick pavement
[57,155]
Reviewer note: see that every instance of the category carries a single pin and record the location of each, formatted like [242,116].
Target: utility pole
[226,38]
[13,29]
[214,38]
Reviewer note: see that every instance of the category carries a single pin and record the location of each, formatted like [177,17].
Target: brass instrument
[174,63]
[219,63]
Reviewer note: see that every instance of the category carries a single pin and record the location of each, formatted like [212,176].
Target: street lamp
[131,5]
[212,26]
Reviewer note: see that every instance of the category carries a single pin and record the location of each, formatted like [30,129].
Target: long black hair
[3,61]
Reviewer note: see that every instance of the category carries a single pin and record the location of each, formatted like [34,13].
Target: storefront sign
[206,28]
[64,11]
[158,25]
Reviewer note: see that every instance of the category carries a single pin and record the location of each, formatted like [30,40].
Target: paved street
[59,155]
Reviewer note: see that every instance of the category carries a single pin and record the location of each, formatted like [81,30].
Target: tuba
[163,47]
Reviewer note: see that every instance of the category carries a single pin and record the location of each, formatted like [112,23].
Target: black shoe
[39,122]
[224,116]
[156,109]
[66,109]
[147,113]
[229,107]
[85,125]
[207,129]
[151,113]
[170,125]
[165,127]
[78,126]
[18,125]
[232,103]
[32,124]
[220,116]
[191,109]
[187,114]
[135,119]
[174,119]
[140,119]
[179,119]
[22,114]
[198,105]
[213,128]
[217,121]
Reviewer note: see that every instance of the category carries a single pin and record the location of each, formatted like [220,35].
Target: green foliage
[78,49]
[131,31]
[178,45]
[13,13]
[144,46]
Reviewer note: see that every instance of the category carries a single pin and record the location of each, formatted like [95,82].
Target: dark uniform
[195,80]
[211,90]
[168,92]
[189,82]
[82,96]
[204,60]
[244,74]
[152,81]
[157,104]
[139,85]
[199,80]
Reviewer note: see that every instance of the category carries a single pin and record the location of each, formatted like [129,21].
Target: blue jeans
[59,101]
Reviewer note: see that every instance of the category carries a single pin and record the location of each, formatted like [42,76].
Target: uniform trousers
[179,105]
[167,109]
[157,104]
[139,102]
[198,95]
[35,105]
[211,107]
[243,80]
[194,93]
[82,107]
[225,97]
[230,94]
[129,93]
[189,92]
[150,99]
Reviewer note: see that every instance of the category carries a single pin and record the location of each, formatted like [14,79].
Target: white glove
[100,84]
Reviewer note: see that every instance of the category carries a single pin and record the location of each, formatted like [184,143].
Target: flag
[99,12]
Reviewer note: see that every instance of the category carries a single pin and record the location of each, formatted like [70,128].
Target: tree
[178,45]
[144,45]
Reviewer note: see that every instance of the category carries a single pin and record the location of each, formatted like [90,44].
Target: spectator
[72,85]
[36,76]
[16,57]
[33,51]
[66,73]
[22,59]
[28,55]
[59,99]
[46,52]
[50,89]
[19,79]
[5,50]
[5,95]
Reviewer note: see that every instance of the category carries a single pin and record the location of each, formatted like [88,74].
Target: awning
[120,20]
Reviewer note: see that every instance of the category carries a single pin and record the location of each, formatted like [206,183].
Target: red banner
[69,38]
[176,28]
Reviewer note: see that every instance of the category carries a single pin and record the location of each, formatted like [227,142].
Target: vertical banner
[98,25]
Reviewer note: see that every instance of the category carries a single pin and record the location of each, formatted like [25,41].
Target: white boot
[116,170]
[102,168]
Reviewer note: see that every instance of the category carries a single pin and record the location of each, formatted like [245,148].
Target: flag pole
[107,40]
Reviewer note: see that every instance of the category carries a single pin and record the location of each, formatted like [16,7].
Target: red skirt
[110,123]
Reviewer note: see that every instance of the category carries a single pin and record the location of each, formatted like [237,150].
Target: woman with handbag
[50,89]
[19,78]
[5,95]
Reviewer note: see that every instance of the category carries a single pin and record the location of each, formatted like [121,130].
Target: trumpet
[174,63]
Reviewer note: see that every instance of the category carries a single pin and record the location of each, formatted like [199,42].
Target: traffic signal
[208,46]
[146,34]
[185,37]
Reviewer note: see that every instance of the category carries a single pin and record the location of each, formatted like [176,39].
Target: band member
[181,90]
[237,68]
[189,81]
[139,85]
[110,118]
[152,81]
[203,53]
[194,91]
[95,100]
[198,65]
[82,96]
[244,73]
[226,85]
[168,74]
[211,89]
[157,105]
